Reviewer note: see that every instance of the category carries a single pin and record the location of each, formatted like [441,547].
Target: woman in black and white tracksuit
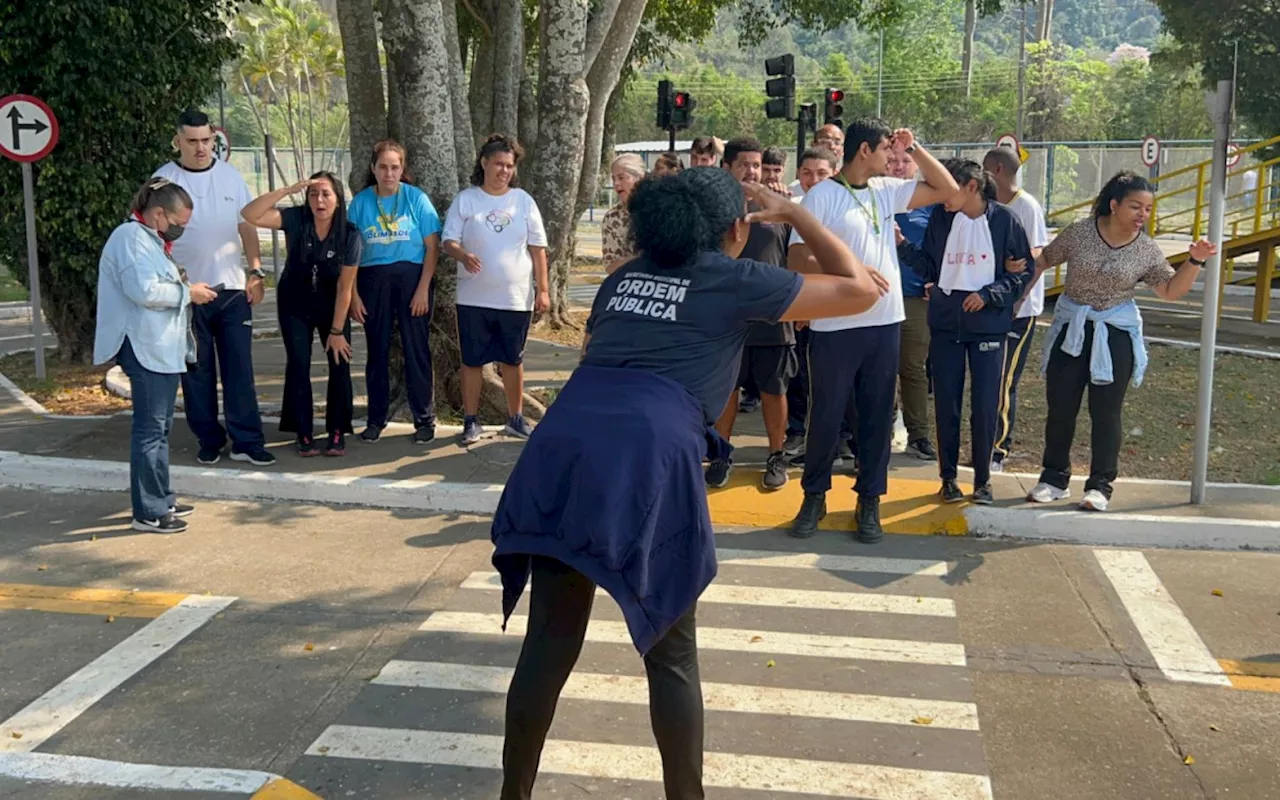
[975,257]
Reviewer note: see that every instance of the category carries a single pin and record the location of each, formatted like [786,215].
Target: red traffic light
[682,99]
[835,95]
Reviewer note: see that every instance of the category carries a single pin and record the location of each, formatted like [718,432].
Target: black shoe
[718,473]
[922,449]
[982,495]
[181,509]
[258,456]
[951,491]
[209,455]
[794,445]
[748,404]
[306,446]
[812,510]
[775,472]
[166,524]
[424,434]
[371,433]
[336,445]
[867,515]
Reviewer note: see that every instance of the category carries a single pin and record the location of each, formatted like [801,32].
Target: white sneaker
[1093,500]
[1047,493]
[997,466]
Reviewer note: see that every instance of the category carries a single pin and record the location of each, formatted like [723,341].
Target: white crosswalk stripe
[871,697]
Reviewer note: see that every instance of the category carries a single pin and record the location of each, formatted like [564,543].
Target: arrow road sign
[28,128]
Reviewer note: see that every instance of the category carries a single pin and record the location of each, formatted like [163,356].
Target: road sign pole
[1220,106]
[33,267]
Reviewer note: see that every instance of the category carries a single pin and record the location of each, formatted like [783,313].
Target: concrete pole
[1219,103]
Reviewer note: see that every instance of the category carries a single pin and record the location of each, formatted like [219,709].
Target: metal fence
[251,162]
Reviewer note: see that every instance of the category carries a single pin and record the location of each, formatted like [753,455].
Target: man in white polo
[210,251]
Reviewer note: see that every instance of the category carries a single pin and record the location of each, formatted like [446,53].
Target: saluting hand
[302,186]
[773,207]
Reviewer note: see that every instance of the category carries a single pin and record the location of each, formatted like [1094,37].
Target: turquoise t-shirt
[394,227]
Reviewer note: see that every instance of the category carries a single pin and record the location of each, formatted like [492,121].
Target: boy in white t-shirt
[1003,164]
[856,357]
[209,251]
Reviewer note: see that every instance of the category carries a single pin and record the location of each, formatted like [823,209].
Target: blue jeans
[224,344]
[154,394]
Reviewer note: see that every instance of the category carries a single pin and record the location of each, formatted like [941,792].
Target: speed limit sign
[1150,151]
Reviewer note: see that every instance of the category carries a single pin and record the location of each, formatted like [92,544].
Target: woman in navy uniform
[609,491]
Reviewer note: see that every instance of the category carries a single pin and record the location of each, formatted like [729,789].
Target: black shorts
[492,335]
[771,367]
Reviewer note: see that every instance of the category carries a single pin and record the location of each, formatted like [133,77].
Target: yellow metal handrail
[1262,207]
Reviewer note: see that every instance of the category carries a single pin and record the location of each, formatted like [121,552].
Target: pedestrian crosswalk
[831,676]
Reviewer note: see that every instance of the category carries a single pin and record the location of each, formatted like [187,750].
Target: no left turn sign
[28,128]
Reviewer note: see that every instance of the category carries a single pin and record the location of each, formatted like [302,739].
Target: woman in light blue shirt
[401,232]
[144,324]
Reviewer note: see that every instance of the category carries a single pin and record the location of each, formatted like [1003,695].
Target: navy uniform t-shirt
[313,264]
[687,324]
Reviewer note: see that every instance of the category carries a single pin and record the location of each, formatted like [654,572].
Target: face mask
[172,233]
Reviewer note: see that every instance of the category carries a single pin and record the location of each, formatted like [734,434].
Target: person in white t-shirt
[209,252]
[1003,164]
[495,233]
[830,138]
[856,357]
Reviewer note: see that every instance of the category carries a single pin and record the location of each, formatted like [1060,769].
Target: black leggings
[559,609]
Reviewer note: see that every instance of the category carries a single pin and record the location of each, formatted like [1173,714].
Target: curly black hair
[676,217]
[1121,185]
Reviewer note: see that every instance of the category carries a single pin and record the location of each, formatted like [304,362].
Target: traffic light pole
[801,136]
[671,139]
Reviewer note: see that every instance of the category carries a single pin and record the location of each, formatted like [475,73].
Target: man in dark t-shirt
[768,357]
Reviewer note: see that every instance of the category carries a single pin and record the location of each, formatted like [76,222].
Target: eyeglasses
[833,142]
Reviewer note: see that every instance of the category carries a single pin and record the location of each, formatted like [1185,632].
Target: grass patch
[10,290]
[1159,419]
[74,389]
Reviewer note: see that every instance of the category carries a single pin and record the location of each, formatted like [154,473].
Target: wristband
[1195,261]
[335,332]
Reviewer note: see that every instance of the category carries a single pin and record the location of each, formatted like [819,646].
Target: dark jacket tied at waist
[611,484]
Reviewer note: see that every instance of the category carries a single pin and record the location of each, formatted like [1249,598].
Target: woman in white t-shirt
[494,231]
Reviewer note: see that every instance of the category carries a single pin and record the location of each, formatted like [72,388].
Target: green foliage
[116,73]
[1213,29]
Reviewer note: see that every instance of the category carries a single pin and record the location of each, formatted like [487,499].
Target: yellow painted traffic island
[911,506]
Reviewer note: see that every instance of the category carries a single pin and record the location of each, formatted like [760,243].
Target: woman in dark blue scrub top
[314,296]
[401,246]
[609,490]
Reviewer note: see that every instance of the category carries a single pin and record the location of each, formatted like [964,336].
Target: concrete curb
[24,471]
[20,310]
[1123,530]
[118,383]
[1050,525]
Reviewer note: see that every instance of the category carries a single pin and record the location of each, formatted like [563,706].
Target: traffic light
[833,112]
[682,107]
[665,104]
[782,89]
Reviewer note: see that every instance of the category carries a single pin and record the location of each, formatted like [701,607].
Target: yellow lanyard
[873,214]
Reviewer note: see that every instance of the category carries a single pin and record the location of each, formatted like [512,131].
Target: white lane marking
[625,762]
[1178,650]
[737,697]
[786,598]
[64,769]
[878,564]
[731,639]
[54,709]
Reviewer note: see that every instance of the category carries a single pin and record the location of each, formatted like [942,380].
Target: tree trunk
[601,81]
[563,104]
[966,62]
[598,26]
[508,68]
[1044,30]
[611,123]
[366,104]
[463,138]
[480,93]
[528,122]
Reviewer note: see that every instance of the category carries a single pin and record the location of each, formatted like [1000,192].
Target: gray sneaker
[775,472]
[519,426]
[470,433]
[794,445]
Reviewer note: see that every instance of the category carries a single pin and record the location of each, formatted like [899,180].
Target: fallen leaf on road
[755,639]
[93,538]
[919,599]
[110,618]
[42,567]
[308,647]
[770,664]
[16,735]
[1188,761]
[322,749]
[1217,593]
[922,720]
[1214,728]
